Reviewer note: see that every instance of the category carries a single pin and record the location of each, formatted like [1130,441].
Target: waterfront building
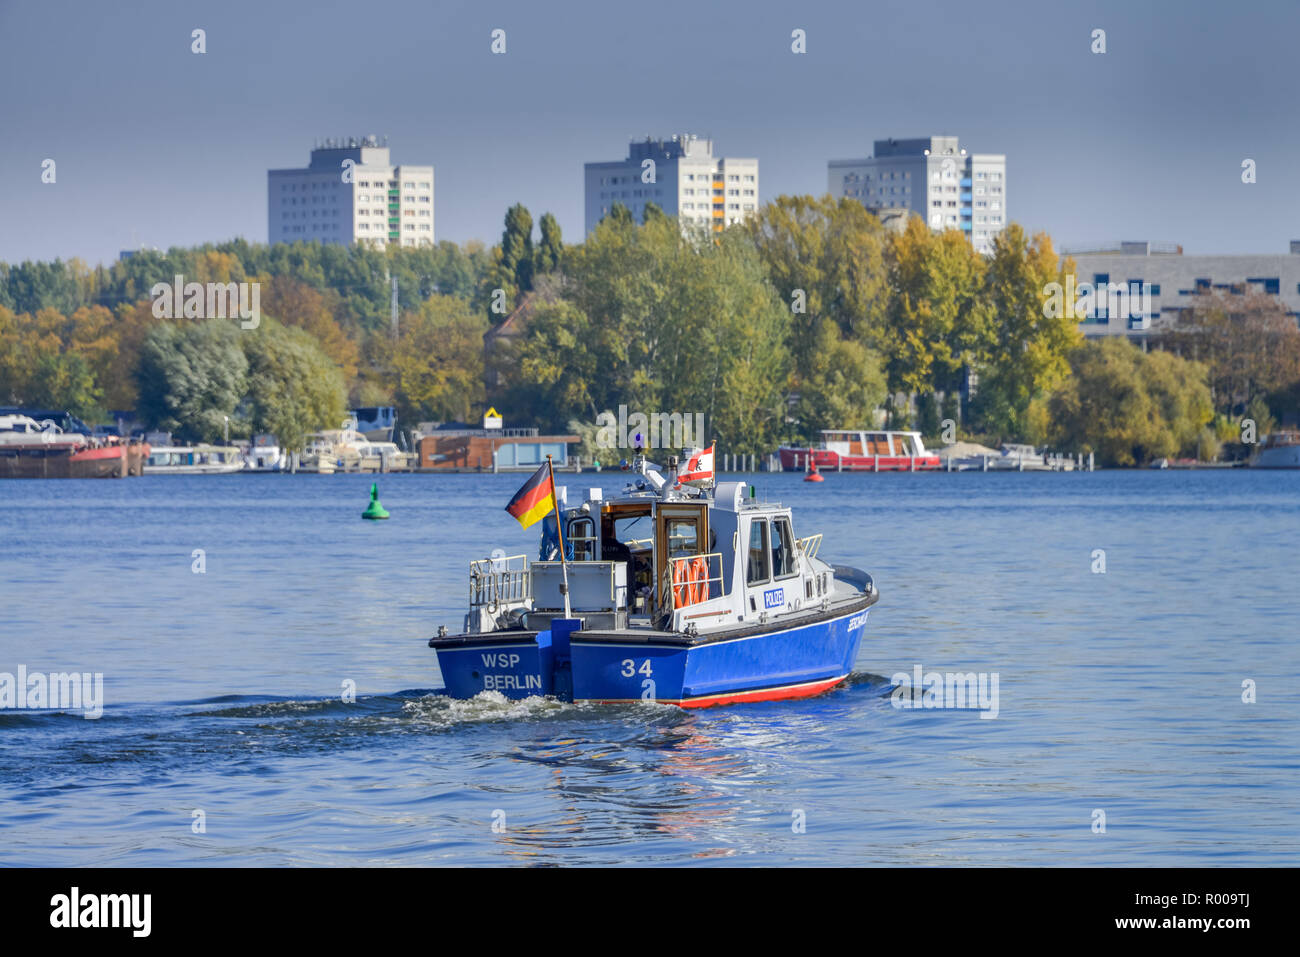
[1172,280]
[932,177]
[681,176]
[461,447]
[351,192]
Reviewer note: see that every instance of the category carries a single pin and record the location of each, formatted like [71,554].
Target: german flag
[535,500]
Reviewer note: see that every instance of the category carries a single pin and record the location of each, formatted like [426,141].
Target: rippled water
[1119,692]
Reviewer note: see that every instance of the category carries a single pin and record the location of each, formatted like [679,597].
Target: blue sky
[159,146]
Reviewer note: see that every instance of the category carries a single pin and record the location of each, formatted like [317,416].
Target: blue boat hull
[757,664]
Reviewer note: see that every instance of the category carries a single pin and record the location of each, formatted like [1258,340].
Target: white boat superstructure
[265,456]
[382,457]
[333,450]
[25,431]
[193,460]
[1281,450]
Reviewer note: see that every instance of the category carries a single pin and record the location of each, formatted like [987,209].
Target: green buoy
[374,509]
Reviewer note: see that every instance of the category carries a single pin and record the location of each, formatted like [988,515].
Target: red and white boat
[42,449]
[861,451]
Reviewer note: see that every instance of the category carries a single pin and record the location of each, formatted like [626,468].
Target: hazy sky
[158,146]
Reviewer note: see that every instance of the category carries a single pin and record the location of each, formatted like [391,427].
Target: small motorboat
[672,591]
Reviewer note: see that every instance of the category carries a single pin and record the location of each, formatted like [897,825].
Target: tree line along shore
[810,316]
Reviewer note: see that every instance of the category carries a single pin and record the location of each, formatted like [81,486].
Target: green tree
[64,381]
[1031,344]
[658,323]
[555,370]
[842,387]
[438,361]
[620,214]
[939,320]
[294,388]
[1127,406]
[192,377]
[826,259]
[551,247]
[514,266]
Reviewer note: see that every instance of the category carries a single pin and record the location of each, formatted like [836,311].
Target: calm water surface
[1119,692]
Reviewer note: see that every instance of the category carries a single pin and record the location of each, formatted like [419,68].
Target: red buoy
[813,475]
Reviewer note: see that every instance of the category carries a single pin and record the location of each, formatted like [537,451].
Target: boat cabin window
[756,570]
[683,537]
[636,532]
[581,539]
[783,565]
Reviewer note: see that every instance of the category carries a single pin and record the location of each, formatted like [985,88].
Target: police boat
[674,591]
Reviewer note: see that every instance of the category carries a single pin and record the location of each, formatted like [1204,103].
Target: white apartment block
[351,192]
[932,177]
[681,176]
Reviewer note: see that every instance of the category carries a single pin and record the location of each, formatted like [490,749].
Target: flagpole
[559,527]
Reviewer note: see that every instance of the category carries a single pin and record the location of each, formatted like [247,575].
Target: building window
[1272,287]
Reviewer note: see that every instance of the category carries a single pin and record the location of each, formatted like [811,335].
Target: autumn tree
[302,307]
[939,321]
[437,363]
[1249,343]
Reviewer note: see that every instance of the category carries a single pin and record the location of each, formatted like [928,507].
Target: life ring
[690,581]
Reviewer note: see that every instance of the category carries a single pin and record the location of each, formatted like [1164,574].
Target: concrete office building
[376,203]
[932,177]
[681,176]
[1173,280]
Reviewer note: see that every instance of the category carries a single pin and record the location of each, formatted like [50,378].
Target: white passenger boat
[193,460]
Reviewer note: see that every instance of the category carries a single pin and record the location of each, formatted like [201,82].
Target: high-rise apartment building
[934,178]
[351,192]
[679,175]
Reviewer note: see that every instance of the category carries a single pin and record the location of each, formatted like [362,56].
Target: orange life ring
[699,579]
[690,581]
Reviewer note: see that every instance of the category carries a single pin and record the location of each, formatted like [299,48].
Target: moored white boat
[199,459]
[1281,450]
[854,450]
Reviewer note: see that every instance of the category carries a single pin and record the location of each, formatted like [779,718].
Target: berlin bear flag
[698,469]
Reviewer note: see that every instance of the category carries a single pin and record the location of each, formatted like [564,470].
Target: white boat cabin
[863,443]
[657,558]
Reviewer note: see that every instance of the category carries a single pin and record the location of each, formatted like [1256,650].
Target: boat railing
[685,582]
[496,582]
[811,545]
